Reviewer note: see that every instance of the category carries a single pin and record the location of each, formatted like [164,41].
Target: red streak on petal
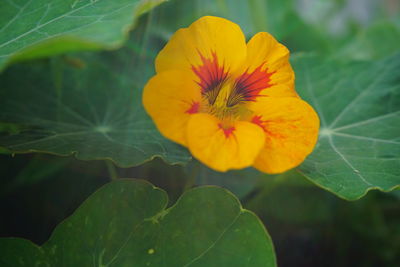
[211,74]
[249,85]
[257,120]
[227,131]
[263,124]
[194,108]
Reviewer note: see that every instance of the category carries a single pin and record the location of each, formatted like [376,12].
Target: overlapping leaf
[359,108]
[31,29]
[126,224]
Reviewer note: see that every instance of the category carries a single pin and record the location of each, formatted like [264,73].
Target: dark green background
[308,225]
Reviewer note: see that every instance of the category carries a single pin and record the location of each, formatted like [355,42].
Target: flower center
[224,95]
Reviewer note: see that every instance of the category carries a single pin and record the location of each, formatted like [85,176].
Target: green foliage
[275,16]
[35,171]
[89,105]
[306,205]
[93,111]
[359,107]
[31,29]
[239,182]
[375,42]
[125,223]
[315,228]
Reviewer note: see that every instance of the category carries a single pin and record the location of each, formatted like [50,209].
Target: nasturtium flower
[231,103]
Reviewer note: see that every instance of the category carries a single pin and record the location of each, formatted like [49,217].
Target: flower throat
[222,93]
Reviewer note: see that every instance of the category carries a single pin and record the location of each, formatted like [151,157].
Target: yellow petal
[291,130]
[170,98]
[268,57]
[223,148]
[206,37]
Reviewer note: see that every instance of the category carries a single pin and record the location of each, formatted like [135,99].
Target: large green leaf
[31,29]
[359,108]
[126,224]
[93,111]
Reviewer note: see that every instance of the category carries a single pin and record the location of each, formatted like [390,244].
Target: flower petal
[291,128]
[205,39]
[170,98]
[267,67]
[220,148]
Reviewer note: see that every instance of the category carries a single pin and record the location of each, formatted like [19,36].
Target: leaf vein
[366,138]
[215,242]
[360,95]
[348,162]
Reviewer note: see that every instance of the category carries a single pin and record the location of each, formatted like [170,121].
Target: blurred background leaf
[302,25]
[239,182]
[375,42]
[33,203]
[34,171]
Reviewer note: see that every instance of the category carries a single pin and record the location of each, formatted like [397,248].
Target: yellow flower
[232,104]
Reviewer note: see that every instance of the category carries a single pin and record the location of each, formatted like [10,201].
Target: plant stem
[194,172]
[112,171]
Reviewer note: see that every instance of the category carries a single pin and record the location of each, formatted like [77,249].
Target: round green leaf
[125,223]
[92,110]
[359,107]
